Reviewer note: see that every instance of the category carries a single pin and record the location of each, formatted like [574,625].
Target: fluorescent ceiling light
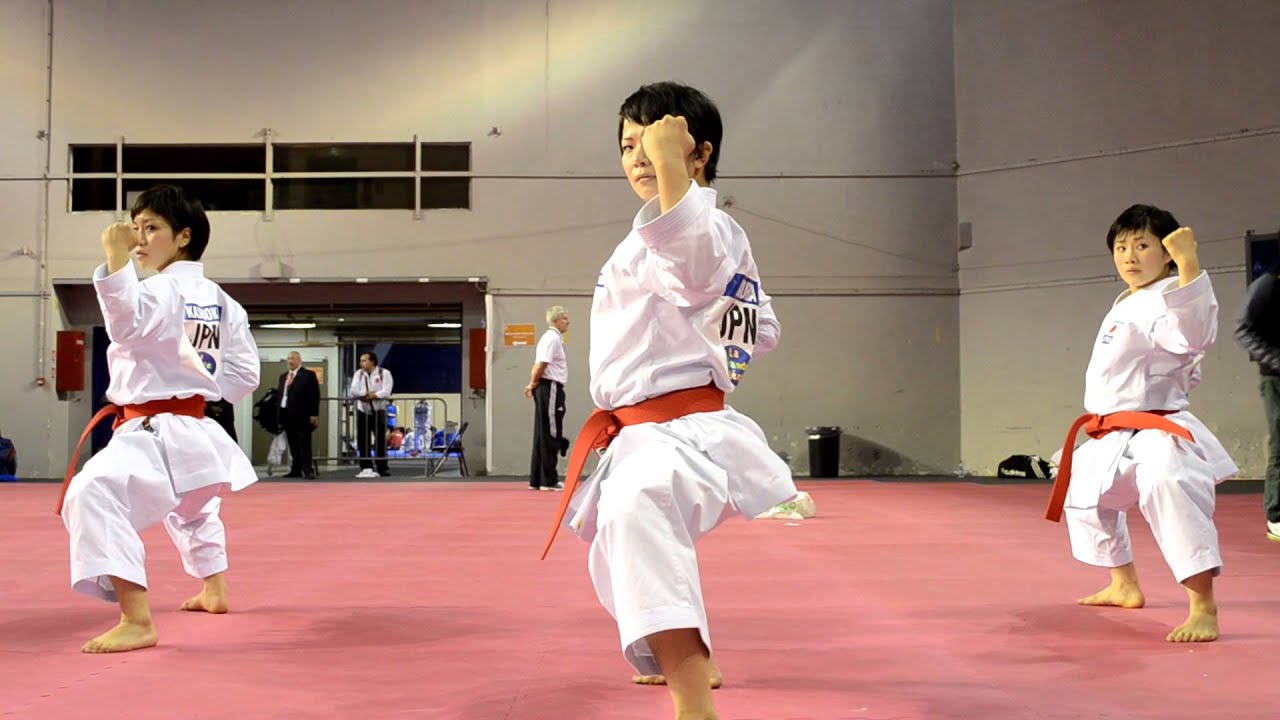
[444,325]
[290,326]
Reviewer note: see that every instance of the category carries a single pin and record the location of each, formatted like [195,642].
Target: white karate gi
[678,306]
[174,335]
[1147,357]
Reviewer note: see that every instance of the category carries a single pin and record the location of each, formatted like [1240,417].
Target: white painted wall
[1054,100]
[855,95]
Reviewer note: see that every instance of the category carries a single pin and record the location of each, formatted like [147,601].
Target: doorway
[320,441]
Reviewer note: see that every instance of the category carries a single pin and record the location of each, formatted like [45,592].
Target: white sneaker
[801,507]
[1273,531]
[367,473]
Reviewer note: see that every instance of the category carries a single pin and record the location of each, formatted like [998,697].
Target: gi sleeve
[769,330]
[134,311]
[241,366]
[691,257]
[1189,324]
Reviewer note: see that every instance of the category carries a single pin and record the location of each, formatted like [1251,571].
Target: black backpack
[267,411]
[1025,466]
[8,457]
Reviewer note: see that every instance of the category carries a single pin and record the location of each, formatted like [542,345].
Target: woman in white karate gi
[677,315]
[177,340]
[1147,449]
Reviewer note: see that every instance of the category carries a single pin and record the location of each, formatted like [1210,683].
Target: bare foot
[1201,626]
[717,679]
[124,637]
[1202,620]
[1123,595]
[212,599]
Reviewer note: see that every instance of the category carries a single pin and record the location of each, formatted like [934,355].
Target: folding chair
[450,444]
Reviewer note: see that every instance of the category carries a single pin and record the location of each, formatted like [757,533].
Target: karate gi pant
[1170,481]
[659,489]
[133,483]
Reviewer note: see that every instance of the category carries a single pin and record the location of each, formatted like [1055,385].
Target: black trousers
[548,433]
[298,432]
[375,424]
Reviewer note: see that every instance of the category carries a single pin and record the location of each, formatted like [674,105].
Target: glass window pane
[352,157]
[446,157]
[93,195]
[344,194]
[440,193]
[93,158]
[214,195]
[195,159]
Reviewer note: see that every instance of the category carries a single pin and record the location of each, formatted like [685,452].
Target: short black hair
[373,357]
[655,101]
[1143,218]
[182,210]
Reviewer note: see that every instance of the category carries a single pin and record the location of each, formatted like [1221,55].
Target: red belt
[1097,426]
[603,426]
[191,407]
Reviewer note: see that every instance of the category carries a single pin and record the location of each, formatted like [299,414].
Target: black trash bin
[824,452]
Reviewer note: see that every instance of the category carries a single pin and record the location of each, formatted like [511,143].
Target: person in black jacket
[1258,330]
[299,415]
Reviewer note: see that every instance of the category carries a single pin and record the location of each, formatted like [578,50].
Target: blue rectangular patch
[743,289]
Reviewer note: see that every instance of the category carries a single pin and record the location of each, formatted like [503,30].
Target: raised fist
[668,139]
[1181,245]
[119,238]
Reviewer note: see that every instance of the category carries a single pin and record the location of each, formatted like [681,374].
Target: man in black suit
[299,415]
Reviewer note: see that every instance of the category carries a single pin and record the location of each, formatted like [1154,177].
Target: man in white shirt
[546,386]
[370,387]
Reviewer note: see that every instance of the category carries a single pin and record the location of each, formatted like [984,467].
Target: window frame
[270,176]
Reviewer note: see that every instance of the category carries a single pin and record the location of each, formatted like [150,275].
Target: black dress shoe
[292,475]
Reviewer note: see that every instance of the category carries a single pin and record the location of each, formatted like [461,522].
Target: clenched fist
[1181,245]
[668,140]
[119,239]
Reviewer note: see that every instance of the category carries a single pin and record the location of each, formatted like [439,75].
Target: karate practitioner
[678,313]
[1147,449]
[177,341]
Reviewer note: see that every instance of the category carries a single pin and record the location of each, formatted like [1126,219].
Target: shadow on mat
[359,627]
[1083,643]
[34,628]
[537,699]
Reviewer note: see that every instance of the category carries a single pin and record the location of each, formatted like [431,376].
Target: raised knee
[633,502]
[82,489]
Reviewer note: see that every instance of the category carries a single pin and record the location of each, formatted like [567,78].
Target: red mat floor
[901,601]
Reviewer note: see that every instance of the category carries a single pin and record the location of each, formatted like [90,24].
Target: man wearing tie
[299,415]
